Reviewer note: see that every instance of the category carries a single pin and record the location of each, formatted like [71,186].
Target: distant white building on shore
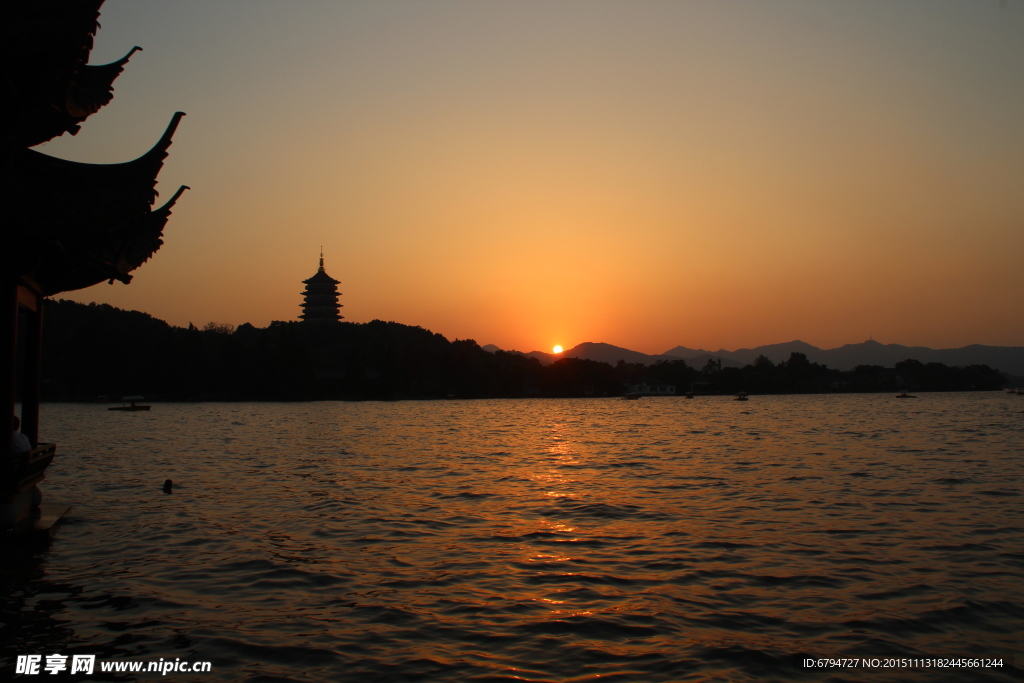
[651,389]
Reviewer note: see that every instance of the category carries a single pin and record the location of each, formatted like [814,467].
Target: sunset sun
[557,349]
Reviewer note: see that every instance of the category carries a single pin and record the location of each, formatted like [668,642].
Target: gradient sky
[532,173]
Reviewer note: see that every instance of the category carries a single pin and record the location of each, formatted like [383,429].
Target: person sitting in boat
[20,447]
[19,442]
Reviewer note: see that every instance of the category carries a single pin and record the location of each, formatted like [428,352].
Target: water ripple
[534,540]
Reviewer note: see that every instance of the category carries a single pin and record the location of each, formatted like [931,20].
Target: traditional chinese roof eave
[91,220]
[54,198]
[93,87]
[44,47]
[321,277]
[113,257]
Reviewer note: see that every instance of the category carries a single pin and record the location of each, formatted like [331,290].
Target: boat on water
[131,403]
[630,397]
[742,396]
[904,394]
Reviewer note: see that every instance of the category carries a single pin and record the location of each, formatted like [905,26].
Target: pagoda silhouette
[66,225]
[320,298]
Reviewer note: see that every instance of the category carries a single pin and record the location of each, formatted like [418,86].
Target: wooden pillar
[30,388]
[8,357]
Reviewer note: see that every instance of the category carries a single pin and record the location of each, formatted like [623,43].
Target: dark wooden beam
[28,298]
[8,353]
[33,356]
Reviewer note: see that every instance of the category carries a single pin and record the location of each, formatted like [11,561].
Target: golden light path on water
[544,540]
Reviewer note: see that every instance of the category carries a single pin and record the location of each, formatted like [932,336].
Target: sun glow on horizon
[557,349]
[786,156]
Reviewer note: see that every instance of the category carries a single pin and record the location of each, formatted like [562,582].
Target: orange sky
[526,174]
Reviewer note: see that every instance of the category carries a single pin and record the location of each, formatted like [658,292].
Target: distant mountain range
[1009,359]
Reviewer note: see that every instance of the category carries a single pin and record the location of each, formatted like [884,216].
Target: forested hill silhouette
[96,349]
[1009,359]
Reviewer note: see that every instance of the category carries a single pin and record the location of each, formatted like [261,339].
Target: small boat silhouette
[905,395]
[130,404]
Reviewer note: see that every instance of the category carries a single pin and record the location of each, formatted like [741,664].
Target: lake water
[663,539]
